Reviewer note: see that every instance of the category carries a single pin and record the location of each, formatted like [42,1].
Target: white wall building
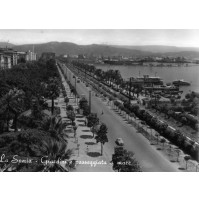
[31,56]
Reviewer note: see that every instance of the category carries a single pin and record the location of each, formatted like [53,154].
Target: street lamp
[75,88]
[178,154]
[151,132]
[130,86]
[90,101]
[78,145]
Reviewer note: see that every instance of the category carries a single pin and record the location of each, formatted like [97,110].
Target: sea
[188,73]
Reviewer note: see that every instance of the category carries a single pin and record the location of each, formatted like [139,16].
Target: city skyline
[131,37]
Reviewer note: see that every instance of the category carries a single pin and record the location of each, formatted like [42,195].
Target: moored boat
[181,83]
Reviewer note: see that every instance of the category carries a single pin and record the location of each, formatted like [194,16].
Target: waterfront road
[150,159]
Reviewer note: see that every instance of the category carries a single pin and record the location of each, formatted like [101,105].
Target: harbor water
[168,74]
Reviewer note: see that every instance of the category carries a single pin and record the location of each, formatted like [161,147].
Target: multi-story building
[5,61]
[31,56]
[10,57]
[48,55]
[21,55]
[11,53]
[27,56]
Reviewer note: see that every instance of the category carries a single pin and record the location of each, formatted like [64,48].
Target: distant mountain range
[61,48]
[160,48]
[74,49]
[5,44]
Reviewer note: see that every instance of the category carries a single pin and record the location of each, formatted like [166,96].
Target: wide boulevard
[149,158]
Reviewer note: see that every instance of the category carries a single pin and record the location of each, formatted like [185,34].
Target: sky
[171,37]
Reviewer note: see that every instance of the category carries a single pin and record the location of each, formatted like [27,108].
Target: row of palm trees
[27,87]
[12,104]
[25,104]
[175,136]
[110,76]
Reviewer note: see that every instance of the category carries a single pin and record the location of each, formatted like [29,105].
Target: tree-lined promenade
[29,122]
[100,133]
[175,137]
[148,157]
[31,126]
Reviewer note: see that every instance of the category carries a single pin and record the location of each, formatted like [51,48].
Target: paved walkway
[85,150]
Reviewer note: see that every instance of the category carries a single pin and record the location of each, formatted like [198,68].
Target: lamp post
[75,89]
[130,85]
[66,72]
[78,145]
[90,101]
[178,154]
[85,72]
[150,133]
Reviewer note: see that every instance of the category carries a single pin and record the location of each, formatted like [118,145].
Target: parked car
[119,142]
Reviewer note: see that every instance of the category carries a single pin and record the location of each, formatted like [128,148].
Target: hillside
[61,48]
[160,48]
[5,44]
[71,48]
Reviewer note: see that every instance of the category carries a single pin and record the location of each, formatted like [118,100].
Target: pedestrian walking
[86,121]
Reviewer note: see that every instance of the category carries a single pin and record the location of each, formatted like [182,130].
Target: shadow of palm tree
[79,116]
[80,120]
[90,143]
[181,168]
[173,161]
[82,125]
[86,130]
[94,154]
[86,136]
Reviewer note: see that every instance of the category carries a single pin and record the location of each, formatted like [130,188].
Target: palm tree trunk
[93,132]
[7,125]
[8,114]
[101,149]
[52,107]
[15,122]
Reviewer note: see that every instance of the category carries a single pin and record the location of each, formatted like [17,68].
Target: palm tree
[12,104]
[55,127]
[157,135]
[56,152]
[70,108]
[187,158]
[66,100]
[3,88]
[101,136]
[71,116]
[52,91]
[184,121]
[162,141]
[93,121]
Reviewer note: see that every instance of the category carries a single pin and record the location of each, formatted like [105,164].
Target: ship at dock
[148,80]
[181,83]
[155,84]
